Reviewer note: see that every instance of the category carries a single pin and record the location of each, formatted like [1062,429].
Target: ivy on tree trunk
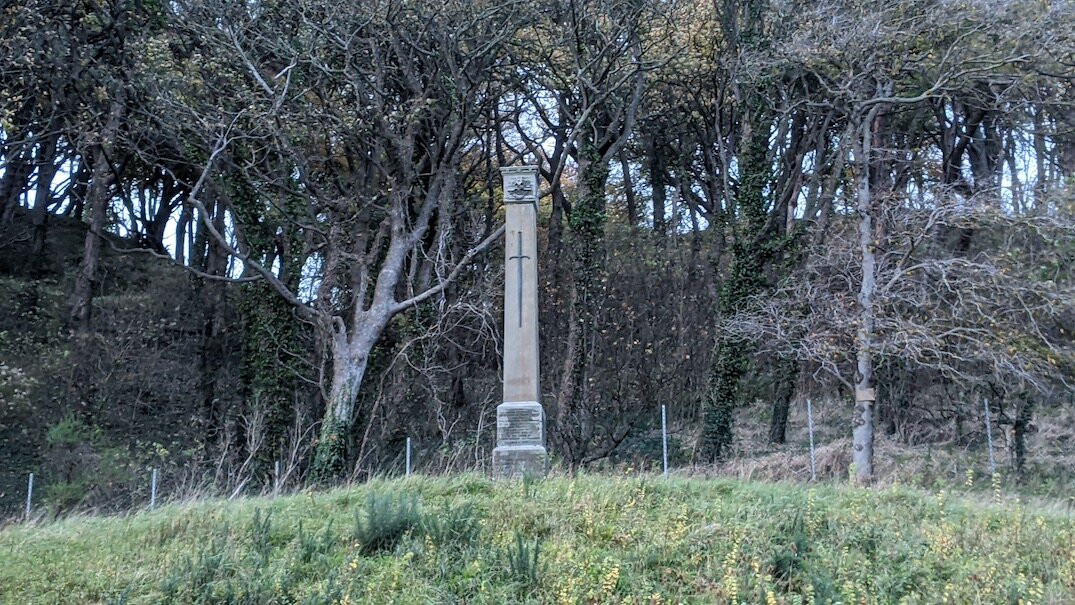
[751,250]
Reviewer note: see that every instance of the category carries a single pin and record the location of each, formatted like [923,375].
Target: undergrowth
[583,540]
[385,520]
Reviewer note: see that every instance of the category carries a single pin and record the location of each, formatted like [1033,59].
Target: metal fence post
[29,494]
[810,426]
[276,478]
[664,437]
[989,439]
[408,456]
[153,489]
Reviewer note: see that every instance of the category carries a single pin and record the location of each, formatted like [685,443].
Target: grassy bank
[584,540]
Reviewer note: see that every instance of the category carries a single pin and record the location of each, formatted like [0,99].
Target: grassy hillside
[595,540]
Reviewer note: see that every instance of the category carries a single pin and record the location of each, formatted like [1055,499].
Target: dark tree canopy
[237,233]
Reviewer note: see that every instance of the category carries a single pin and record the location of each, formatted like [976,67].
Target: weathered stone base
[514,461]
[520,440]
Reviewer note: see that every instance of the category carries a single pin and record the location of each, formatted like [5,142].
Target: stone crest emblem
[521,189]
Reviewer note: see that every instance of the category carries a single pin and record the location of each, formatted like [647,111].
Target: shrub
[522,561]
[385,520]
[787,561]
[453,527]
[315,546]
[192,580]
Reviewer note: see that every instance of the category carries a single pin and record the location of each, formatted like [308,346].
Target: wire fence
[285,478]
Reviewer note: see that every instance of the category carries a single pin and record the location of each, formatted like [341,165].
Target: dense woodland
[237,232]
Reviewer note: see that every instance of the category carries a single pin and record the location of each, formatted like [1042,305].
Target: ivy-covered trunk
[350,357]
[722,395]
[1023,416]
[751,251]
[272,353]
[272,341]
[587,225]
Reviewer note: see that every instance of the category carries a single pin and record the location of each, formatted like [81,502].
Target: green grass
[584,540]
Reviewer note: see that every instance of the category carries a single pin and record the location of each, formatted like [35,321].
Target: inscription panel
[520,424]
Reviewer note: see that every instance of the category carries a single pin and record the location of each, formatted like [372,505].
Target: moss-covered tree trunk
[351,348]
[349,368]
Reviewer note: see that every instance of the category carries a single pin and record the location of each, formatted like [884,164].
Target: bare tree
[363,113]
[869,63]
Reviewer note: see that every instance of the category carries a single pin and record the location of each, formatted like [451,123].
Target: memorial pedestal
[520,439]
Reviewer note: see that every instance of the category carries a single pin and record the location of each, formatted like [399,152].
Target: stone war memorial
[520,419]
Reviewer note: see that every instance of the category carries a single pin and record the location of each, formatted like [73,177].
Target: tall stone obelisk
[520,420]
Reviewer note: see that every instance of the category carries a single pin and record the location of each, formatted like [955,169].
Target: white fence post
[153,489]
[276,478]
[408,456]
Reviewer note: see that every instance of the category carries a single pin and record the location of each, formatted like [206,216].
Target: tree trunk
[350,357]
[657,182]
[97,200]
[629,191]
[212,348]
[13,183]
[862,420]
[157,226]
[895,393]
[46,170]
[1040,174]
[587,223]
[787,372]
[722,397]
[181,227]
[1019,430]
[351,348]
[15,159]
[76,192]
[753,251]
[271,353]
